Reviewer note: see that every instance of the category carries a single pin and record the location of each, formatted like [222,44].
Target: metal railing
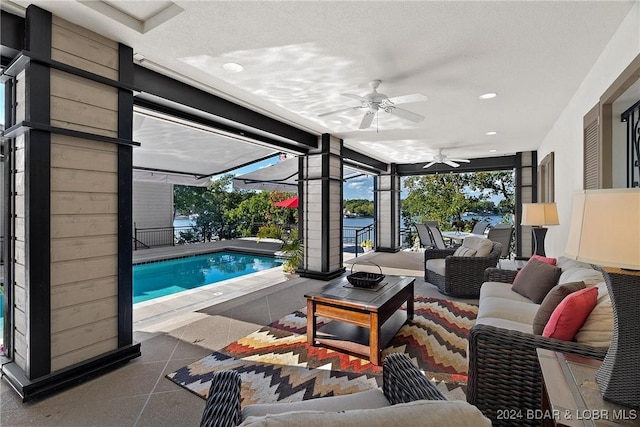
[169,236]
[406,238]
[355,236]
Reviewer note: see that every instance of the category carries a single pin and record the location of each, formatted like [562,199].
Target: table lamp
[605,230]
[538,215]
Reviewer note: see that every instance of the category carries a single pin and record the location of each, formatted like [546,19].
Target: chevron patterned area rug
[277,365]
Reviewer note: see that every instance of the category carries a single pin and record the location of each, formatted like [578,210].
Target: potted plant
[367,245]
[292,250]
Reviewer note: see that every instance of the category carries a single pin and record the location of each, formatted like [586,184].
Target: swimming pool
[157,279]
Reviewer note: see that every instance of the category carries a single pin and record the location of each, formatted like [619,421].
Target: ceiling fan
[376,101]
[442,158]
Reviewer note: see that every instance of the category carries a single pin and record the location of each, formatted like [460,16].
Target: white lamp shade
[539,214]
[605,228]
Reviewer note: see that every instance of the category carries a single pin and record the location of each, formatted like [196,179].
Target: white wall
[152,204]
[565,138]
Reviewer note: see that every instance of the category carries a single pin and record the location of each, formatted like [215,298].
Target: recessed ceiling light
[492,151]
[492,133]
[233,67]
[488,95]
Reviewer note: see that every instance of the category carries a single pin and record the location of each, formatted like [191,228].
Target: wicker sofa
[406,395]
[460,276]
[504,373]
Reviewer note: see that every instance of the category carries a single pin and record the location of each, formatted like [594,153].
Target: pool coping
[244,245]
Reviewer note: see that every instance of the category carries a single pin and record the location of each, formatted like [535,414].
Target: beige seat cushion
[421,412]
[589,276]
[481,245]
[369,399]
[437,266]
[516,311]
[500,290]
[505,324]
[597,330]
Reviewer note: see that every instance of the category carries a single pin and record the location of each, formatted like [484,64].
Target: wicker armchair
[463,275]
[402,381]
[504,373]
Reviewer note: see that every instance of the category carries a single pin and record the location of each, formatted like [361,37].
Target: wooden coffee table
[365,320]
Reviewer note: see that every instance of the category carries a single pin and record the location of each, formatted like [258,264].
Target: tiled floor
[138,394]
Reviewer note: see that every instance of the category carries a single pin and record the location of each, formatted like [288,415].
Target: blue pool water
[162,278]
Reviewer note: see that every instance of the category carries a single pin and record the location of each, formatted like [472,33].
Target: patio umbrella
[288,203]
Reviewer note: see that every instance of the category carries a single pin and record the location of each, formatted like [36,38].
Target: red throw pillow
[548,260]
[569,316]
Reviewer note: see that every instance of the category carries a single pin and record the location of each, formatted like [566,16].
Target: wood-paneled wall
[84,199]
[19,212]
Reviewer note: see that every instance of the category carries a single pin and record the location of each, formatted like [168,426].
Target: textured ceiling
[299,57]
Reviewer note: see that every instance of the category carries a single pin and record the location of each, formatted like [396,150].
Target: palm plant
[293,251]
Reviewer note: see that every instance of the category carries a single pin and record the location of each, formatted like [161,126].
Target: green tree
[256,211]
[445,197]
[360,207]
[499,183]
[435,197]
[210,204]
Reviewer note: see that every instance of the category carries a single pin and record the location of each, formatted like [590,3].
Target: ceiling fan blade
[428,165]
[356,97]
[450,163]
[403,99]
[342,110]
[406,114]
[461,160]
[367,120]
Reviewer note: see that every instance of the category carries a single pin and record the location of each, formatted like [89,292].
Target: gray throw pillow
[551,301]
[536,279]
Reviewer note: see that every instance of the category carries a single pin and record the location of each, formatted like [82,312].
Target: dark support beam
[363,159]
[11,36]
[38,197]
[125,199]
[165,87]
[326,200]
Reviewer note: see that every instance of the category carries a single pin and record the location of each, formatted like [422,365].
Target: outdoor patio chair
[402,382]
[480,227]
[425,237]
[459,276]
[436,237]
[503,236]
